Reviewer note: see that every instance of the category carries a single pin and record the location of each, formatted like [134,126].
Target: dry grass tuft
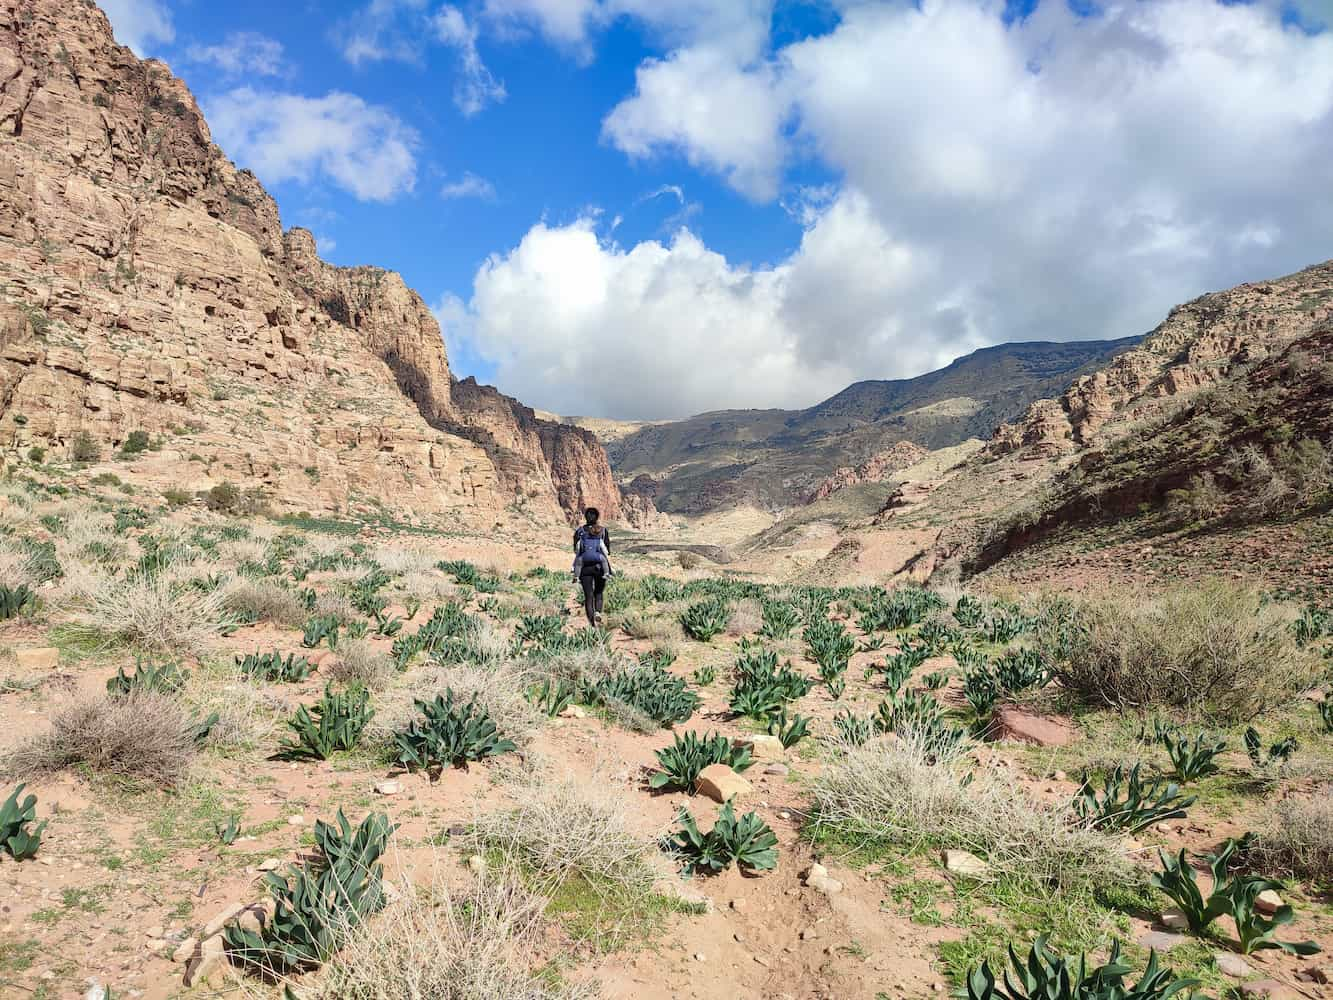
[906,793]
[265,599]
[249,715]
[501,691]
[149,612]
[1299,840]
[339,605]
[436,943]
[1215,651]
[360,661]
[143,737]
[747,618]
[398,562]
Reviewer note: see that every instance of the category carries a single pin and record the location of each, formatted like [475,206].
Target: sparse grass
[263,600]
[359,661]
[1213,650]
[141,737]
[501,691]
[436,943]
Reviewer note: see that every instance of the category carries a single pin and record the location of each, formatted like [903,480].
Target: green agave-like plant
[317,904]
[689,754]
[1233,895]
[275,668]
[969,612]
[780,619]
[15,600]
[1278,753]
[18,838]
[163,678]
[855,730]
[319,629]
[448,734]
[936,680]
[830,645]
[1195,758]
[540,630]
[552,697]
[706,619]
[982,690]
[654,691]
[1326,712]
[1021,669]
[332,724]
[228,832]
[1043,976]
[747,842]
[1126,803]
[705,675]
[907,710]
[789,731]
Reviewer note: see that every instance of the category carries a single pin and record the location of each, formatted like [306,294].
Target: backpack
[592,548]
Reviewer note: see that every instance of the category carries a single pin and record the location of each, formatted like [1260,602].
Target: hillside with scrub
[348,759]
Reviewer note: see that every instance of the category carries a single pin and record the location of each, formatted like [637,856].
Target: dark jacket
[593,568]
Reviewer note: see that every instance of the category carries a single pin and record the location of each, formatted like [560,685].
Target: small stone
[253,918]
[783,814]
[155,932]
[96,991]
[1175,919]
[1060,776]
[738,937]
[39,658]
[1268,902]
[809,934]
[779,770]
[721,783]
[816,870]
[269,865]
[1232,965]
[822,883]
[1269,988]
[699,956]
[477,863]
[573,712]
[1322,974]
[186,951]
[964,863]
[765,747]
[389,786]
[1161,941]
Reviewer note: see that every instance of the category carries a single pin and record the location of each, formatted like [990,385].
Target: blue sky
[754,203]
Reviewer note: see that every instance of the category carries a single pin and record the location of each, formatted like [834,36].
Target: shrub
[689,754]
[149,611]
[1298,839]
[177,497]
[780,620]
[318,904]
[448,734]
[1043,976]
[437,943]
[142,736]
[360,662]
[84,449]
[705,619]
[1211,650]
[18,838]
[663,697]
[747,842]
[136,442]
[334,723]
[263,600]
[36,455]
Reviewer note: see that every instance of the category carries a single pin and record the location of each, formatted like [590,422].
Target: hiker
[592,563]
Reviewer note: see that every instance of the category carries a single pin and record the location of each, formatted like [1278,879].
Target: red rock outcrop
[874,470]
[146,284]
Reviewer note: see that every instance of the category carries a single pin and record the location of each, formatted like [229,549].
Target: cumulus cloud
[469,186]
[140,24]
[476,86]
[1064,176]
[339,138]
[243,53]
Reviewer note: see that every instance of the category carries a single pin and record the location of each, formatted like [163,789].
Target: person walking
[592,563]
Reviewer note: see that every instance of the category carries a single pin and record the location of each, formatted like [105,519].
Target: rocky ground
[132,887]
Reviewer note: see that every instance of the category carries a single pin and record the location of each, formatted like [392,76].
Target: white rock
[269,865]
[1232,965]
[186,951]
[1174,919]
[389,786]
[721,783]
[297,820]
[1268,902]
[221,919]
[965,863]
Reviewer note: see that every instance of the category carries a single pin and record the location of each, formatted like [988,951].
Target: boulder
[1174,919]
[1268,902]
[721,783]
[1161,941]
[210,959]
[1012,723]
[765,748]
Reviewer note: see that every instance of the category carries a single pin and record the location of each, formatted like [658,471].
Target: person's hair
[593,515]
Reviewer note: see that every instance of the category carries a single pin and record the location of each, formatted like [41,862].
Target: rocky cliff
[146,284]
[874,470]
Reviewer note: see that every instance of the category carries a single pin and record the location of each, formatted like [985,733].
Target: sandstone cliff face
[146,284]
[874,470]
[1200,344]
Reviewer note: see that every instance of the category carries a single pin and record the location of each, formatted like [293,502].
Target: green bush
[16,838]
[748,842]
[320,628]
[780,619]
[317,904]
[136,443]
[1126,803]
[663,697]
[36,455]
[1195,758]
[449,735]
[689,754]
[274,669]
[703,620]
[84,449]
[334,723]
[15,600]
[164,678]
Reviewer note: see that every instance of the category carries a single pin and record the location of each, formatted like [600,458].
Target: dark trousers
[594,587]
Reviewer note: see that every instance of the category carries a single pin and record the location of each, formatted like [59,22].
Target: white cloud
[469,186]
[242,53]
[566,23]
[676,328]
[1060,177]
[338,138]
[476,87]
[140,24]
[374,33]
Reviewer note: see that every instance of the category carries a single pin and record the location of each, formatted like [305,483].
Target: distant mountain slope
[774,459]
